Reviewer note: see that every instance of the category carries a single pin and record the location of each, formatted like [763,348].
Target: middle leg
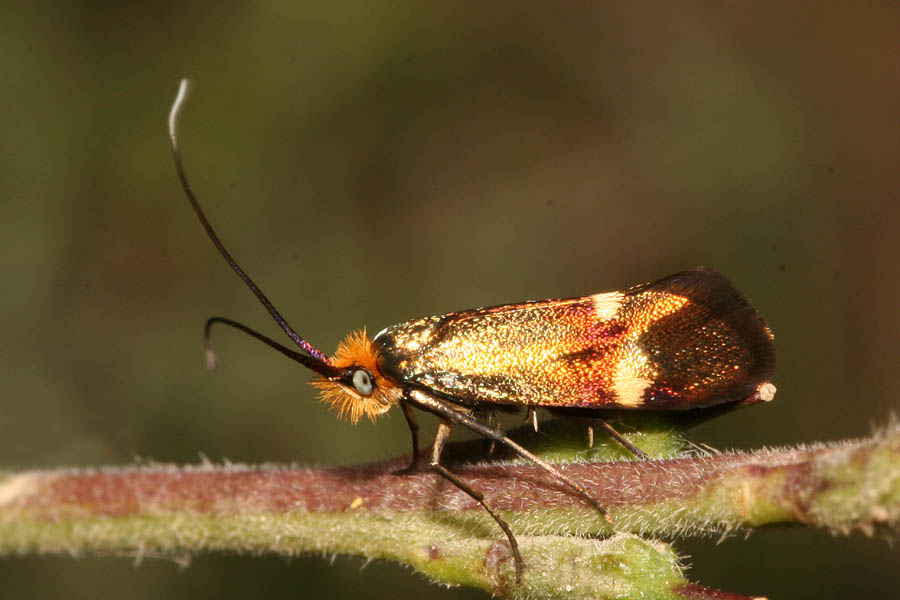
[440,439]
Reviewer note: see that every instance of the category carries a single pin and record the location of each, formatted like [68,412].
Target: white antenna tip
[211,360]
[184,88]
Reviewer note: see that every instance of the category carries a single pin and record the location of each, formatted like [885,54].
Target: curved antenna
[327,371]
[315,353]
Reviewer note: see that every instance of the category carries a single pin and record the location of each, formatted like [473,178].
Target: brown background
[381,161]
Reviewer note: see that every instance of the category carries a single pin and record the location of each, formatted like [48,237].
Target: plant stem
[420,520]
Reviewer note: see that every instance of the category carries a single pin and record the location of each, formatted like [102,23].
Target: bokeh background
[373,162]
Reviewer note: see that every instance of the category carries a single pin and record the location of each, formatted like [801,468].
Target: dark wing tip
[715,301]
[711,289]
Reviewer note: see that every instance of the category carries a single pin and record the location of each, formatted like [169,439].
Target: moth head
[359,390]
[350,381]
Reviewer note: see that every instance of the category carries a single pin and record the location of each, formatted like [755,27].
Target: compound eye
[362,382]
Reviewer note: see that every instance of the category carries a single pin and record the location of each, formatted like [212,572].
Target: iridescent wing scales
[689,340]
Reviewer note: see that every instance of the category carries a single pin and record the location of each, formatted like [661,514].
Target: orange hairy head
[357,350]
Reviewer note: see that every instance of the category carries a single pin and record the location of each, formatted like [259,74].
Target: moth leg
[532,416]
[638,453]
[704,447]
[490,421]
[429,403]
[417,458]
[440,439]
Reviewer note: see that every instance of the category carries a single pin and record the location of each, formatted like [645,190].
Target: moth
[688,341]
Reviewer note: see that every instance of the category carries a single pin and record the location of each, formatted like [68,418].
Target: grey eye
[362,382]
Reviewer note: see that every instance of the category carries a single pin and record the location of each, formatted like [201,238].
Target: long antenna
[316,354]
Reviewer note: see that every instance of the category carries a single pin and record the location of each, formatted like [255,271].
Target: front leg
[418,459]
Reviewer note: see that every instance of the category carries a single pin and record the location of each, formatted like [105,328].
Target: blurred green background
[369,163]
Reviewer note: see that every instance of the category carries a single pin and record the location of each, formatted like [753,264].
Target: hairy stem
[420,520]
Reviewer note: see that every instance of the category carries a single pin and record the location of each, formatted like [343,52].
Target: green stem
[420,520]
